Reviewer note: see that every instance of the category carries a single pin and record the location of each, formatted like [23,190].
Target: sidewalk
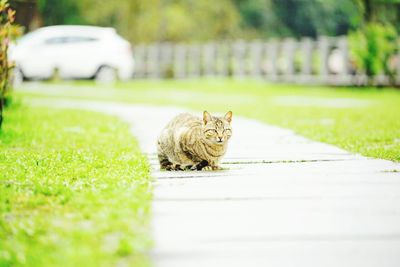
[283,200]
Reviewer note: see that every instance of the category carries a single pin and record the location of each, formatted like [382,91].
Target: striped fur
[189,142]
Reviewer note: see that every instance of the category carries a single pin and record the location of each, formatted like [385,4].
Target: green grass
[363,120]
[74,190]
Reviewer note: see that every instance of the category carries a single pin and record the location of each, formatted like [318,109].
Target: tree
[299,18]
[7,32]
[56,12]
[384,11]
[28,14]
[149,20]
[193,20]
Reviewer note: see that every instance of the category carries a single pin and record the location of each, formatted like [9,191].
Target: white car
[73,52]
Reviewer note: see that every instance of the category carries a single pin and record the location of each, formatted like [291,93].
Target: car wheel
[17,77]
[106,74]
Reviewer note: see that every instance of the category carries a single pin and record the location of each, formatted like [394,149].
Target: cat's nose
[221,138]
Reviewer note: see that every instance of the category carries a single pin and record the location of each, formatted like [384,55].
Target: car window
[55,40]
[80,39]
[69,40]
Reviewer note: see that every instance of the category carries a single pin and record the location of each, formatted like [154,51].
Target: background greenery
[193,20]
[372,25]
[373,50]
[74,190]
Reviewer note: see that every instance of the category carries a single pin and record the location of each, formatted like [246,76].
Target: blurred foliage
[158,20]
[385,11]
[299,18]
[372,47]
[150,20]
[8,31]
[192,20]
[60,12]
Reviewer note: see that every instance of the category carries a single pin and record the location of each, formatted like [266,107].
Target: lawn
[74,190]
[361,120]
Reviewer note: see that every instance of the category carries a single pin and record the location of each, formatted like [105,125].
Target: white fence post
[255,58]
[272,51]
[208,59]
[193,61]
[222,59]
[275,60]
[139,58]
[288,57]
[152,66]
[306,47]
[165,59]
[238,56]
[345,77]
[323,46]
[179,55]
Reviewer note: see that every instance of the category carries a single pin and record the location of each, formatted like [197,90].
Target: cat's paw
[211,168]
[216,168]
[207,168]
[174,167]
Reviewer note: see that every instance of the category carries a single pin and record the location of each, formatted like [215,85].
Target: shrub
[372,47]
[7,32]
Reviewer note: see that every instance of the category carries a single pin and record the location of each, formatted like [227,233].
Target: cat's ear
[228,116]
[206,117]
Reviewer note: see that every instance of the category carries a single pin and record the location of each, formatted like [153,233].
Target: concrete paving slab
[282,200]
[282,253]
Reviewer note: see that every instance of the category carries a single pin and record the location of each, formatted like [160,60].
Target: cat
[190,143]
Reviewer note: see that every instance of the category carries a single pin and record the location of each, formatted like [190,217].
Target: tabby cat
[191,143]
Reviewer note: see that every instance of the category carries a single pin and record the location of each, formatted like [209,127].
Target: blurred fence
[322,61]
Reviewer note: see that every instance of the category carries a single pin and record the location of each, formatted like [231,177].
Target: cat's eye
[211,131]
